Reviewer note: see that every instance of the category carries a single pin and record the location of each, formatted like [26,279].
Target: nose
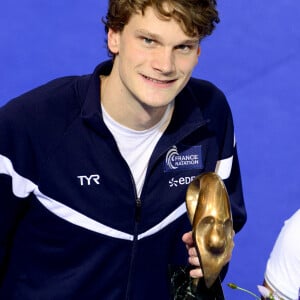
[164,61]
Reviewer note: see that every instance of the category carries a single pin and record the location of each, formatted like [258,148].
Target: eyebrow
[191,41]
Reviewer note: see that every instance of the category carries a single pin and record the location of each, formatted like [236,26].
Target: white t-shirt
[283,267]
[136,146]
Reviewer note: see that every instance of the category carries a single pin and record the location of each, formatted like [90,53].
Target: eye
[186,48]
[148,41]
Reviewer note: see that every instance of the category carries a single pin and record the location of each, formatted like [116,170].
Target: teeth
[157,81]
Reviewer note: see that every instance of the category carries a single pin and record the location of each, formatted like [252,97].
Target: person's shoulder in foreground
[283,267]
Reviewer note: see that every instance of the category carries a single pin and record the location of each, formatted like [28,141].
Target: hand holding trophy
[209,212]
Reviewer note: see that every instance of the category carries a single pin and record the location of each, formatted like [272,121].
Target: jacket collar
[91,111]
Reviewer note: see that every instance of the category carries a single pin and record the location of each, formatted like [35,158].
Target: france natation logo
[190,158]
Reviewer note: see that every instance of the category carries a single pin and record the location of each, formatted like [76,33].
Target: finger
[187,238]
[194,260]
[196,273]
[192,251]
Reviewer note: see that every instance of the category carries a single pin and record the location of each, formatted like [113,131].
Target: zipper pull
[138,207]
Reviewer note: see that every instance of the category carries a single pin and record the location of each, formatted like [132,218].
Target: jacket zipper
[138,207]
[138,210]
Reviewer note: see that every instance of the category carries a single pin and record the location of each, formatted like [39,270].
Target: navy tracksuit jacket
[71,225]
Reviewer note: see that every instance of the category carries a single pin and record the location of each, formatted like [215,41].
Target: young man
[94,169]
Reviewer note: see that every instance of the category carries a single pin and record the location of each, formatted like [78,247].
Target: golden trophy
[209,212]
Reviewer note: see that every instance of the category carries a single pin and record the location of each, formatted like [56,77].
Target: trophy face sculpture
[209,212]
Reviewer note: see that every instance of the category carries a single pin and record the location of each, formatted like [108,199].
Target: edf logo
[181,181]
[88,180]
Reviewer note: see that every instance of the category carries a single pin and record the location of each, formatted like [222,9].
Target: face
[154,59]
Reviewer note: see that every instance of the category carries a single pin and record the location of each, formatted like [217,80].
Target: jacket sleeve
[12,199]
[234,187]
[11,210]
[229,170]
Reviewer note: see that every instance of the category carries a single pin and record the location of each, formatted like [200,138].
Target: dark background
[253,56]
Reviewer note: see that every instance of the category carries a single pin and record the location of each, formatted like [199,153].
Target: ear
[113,41]
[199,51]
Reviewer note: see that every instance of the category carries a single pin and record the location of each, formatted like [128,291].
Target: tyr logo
[88,180]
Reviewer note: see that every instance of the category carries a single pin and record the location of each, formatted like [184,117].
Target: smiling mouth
[159,81]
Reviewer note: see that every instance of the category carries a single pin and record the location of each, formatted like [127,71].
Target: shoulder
[61,87]
[206,89]
[42,115]
[209,98]
[206,94]
[49,99]
[287,244]
[290,231]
